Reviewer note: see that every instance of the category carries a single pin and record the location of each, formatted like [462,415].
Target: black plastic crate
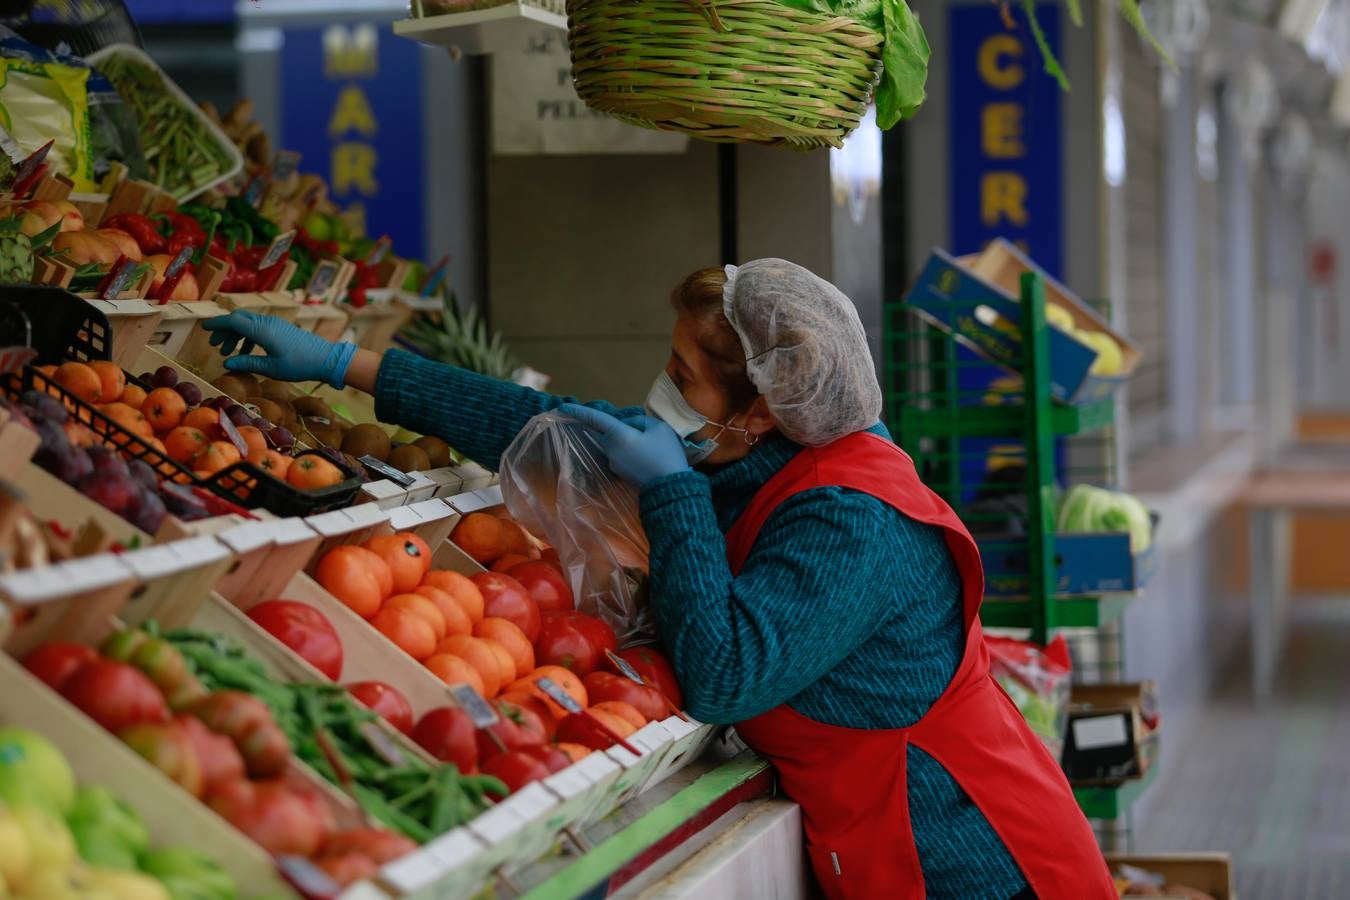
[60,326]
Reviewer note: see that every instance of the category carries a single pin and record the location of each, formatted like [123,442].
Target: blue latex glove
[293,354]
[640,449]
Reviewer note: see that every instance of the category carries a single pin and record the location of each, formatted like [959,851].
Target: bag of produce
[557,483]
[44,100]
[1038,681]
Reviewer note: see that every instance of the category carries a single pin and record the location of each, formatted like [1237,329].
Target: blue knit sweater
[847,610]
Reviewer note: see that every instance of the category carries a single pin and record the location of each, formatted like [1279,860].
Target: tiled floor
[1272,785]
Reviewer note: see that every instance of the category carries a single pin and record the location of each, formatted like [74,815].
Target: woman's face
[695,374]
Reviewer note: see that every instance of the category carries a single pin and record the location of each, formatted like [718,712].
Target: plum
[238,415]
[109,490]
[165,376]
[281,438]
[143,475]
[45,406]
[147,377]
[147,510]
[71,464]
[191,394]
[220,404]
[105,459]
[52,436]
[260,423]
[182,502]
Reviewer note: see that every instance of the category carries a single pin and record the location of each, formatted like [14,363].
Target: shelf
[480,31]
[1070,612]
[1005,421]
[1111,802]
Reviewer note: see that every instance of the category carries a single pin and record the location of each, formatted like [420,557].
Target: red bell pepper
[142,231]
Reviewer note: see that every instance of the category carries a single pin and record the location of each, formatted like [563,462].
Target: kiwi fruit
[437,450]
[367,440]
[288,415]
[249,381]
[312,407]
[323,432]
[269,410]
[409,458]
[232,386]
[276,390]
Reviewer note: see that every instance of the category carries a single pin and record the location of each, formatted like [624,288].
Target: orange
[79,434]
[517,541]
[272,462]
[615,723]
[508,562]
[204,418]
[482,536]
[217,455]
[184,443]
[478,654]
[563,678]
[81,381]
[457,621]
[413,634]
[512,639]
[311,472]
[407,555]
[128,418]
[421,607]
[461,588]
[111,378]
[164,408]
[504,661]
[625,711]
[575,752]
[352,574]
[133,395]
[253,438]
[453,670]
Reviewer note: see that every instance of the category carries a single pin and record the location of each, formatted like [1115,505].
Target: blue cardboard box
[1085,565]
[976,297]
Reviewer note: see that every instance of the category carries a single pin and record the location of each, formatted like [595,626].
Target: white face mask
[666,402]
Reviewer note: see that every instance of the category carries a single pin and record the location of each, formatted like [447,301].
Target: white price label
[469,700]
[558,695]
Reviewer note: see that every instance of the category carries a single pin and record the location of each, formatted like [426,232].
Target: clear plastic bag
[557,483]
[1039,681]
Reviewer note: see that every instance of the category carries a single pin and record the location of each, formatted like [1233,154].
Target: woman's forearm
[363,370]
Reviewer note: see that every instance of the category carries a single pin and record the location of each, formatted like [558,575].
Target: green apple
[33,772]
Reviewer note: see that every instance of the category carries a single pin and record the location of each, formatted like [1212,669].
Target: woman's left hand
[640,450]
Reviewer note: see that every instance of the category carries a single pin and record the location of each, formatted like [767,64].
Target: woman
[808,587]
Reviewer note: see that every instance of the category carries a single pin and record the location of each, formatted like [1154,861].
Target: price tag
[381,744]
[625,668]
[379,251]
[253,191]
[325,273]
[28,168]
[287,164]
[307,877]
[9,146]
[386,471]
[469,700]
[12,359]
[558,695]
[233,436]
[178,262]
[435,277]
[281,244]
[117,279]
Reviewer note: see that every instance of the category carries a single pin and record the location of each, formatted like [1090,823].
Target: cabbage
[1093,509]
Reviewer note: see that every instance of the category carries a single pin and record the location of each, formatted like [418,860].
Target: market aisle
[1272,786]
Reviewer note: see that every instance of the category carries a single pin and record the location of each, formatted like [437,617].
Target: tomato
[347,868]
[305,630]
[271,815]
[546,585]
[561,643]
[376,844]
[556,760]
[506,598]
[216,754]
[515,769]
[517,728]
[265,749]
[231,713]
[656,669]
[162,663]
[115,695]
[448,735]
[55,662]
[581,728]
[168,748]
[604,686]
[596,631]
[385,700]
[535,704]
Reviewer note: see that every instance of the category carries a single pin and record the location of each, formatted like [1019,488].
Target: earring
[751,438]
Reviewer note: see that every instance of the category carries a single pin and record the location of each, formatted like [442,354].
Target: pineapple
[16,253]
[462,339]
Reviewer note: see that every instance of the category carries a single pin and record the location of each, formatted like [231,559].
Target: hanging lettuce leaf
[904,55]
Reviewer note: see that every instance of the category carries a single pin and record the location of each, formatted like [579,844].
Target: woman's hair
[699,298]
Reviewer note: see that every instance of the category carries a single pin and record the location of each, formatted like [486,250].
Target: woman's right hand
[293,354]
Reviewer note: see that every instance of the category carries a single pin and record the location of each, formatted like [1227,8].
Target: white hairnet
[805,350]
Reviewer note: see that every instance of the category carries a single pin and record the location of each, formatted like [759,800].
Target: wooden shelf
[482,31]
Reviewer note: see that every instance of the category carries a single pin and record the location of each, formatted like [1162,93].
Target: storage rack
[950,429]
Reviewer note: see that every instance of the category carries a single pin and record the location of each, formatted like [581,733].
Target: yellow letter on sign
[354,168]
[1003,195]
[1001,131]
[352,113]
[996,72]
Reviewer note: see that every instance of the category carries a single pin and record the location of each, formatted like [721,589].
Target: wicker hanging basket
[752,71]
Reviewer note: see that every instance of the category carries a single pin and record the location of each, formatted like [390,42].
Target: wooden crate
[1208,872]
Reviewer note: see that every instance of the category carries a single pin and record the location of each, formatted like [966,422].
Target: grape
[191,394]
[238,415]
[147,377]
[220,404]
[281,438]
[260,423]
[166,376]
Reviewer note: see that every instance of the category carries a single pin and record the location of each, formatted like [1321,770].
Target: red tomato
[385,700]
[506,598]
[377,844]
[216,754]
[347,868]
[562,643]
[448,735]
[56,661]
[271,814]
[596,631]
[517,728]
[115,695]
[305,630]
[555,759]
[546,585]
[535,705]
[515,769]
[654,667]
[602,686]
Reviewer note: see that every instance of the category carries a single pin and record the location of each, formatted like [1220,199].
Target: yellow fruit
[1058,315]
[1109,359]
[16,854]
[67,883]
[128,885]
[51,845]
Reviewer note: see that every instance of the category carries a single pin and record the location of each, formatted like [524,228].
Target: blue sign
[1006,168]
[351,104]
[173,12]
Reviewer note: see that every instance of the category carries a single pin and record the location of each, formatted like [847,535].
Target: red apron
[851,782]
